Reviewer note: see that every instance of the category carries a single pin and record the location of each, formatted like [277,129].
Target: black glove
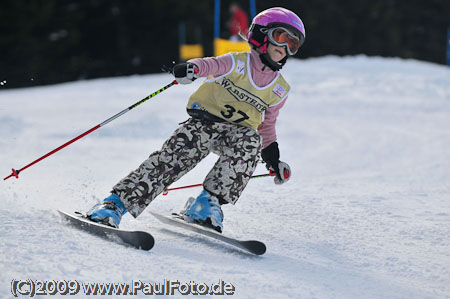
[271,155]
[184,72]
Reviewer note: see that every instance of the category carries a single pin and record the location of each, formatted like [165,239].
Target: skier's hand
[184,72]
[271,155]
[284,173]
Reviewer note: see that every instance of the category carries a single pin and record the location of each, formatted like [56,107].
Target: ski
[138,239]
[254,247]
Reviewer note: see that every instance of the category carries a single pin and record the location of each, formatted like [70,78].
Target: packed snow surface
[366,213]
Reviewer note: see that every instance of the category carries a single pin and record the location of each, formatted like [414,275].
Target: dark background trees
[51,41]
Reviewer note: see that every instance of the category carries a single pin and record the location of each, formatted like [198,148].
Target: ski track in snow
[365,215]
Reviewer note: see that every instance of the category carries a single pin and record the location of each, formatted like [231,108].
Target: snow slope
[365,215]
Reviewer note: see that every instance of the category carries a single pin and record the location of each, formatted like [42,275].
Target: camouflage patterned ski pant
[238,149]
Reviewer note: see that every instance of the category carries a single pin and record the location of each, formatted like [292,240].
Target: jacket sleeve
[215,66]
[267,128]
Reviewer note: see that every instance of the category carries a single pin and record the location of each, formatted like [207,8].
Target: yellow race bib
[234,96]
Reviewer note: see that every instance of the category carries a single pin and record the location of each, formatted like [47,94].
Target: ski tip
[257,247]
[137,239]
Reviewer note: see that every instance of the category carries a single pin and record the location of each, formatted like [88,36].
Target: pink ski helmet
[273,18]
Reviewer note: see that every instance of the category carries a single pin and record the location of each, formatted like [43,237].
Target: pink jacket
[220,65]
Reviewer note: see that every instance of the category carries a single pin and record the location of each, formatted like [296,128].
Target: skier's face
[276,53]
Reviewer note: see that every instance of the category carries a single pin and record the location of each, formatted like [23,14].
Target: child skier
[233,114]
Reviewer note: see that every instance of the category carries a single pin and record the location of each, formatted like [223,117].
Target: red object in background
[239,21]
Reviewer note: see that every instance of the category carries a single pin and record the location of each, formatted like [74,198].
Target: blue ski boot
[109,211]
[204,210]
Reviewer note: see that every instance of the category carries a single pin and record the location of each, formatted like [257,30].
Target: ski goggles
[281,36]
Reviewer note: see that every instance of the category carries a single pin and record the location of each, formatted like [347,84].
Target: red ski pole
[199,185]
[15,173]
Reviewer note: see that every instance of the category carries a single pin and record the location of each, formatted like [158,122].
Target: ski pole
[15,173]
[199,185]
